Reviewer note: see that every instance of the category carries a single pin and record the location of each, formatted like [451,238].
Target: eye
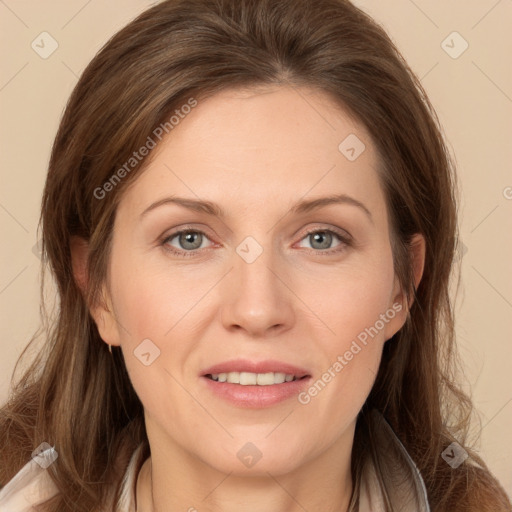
[189,241]
[321,240]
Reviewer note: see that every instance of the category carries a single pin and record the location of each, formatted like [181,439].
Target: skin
[255,153]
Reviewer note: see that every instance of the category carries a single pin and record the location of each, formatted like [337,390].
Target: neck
[324,483]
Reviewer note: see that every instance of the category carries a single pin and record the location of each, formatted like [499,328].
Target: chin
[256,459]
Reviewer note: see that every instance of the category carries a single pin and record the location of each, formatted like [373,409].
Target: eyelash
[345,242]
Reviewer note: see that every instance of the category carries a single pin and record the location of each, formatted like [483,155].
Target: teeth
[279,377]
[246,379]
[253,379]
[266,379]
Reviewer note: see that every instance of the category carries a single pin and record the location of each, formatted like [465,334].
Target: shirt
[402,479]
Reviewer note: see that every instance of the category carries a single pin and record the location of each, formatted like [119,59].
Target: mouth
[249,384]
[254,379]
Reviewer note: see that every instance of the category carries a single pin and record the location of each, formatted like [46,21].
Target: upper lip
[244,365]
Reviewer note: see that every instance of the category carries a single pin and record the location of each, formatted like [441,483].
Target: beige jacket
[32,485]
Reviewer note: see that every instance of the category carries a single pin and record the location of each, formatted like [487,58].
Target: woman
[250,217]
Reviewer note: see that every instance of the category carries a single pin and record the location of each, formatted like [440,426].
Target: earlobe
[103,315]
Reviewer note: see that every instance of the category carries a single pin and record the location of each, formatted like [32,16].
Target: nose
[256,297]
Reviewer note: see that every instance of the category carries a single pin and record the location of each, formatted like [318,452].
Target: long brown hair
[77,397]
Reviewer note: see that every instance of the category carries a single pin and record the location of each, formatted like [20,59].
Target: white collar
[401,477]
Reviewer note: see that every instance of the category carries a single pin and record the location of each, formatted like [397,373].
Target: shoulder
[31,486]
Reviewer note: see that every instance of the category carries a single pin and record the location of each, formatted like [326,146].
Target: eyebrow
[214,209]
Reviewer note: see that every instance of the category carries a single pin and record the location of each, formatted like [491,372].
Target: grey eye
[322,239]
[190,240]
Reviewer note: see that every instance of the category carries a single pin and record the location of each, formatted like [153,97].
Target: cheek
[357,297]
[358,309]
[150,315]
[150,298]
[157,311]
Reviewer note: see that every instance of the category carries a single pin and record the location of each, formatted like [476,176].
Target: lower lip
[256,397]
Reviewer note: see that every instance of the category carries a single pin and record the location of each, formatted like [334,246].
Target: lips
[255,385]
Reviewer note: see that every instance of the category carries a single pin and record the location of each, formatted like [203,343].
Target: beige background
[471,93]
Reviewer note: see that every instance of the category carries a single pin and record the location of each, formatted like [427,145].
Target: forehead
[246,146]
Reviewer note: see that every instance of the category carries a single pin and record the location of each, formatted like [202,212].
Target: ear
[79,251]
[399,304]
[417,250]
[102,312]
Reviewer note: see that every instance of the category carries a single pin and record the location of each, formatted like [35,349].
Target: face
[268,285]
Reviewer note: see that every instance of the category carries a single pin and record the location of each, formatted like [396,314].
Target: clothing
[405,485]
